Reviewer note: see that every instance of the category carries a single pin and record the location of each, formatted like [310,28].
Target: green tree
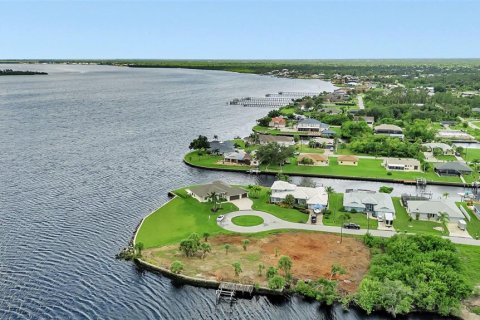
[261,267]
[274,154]
[237,268]
[271,271]
[200,143]
[421,129]
[336,270]
[176,267]
[226,246]
[396,297]
[329,189]
[205,247]
[385,189]
[285,264]
[443,218]
[352,129]
[276,282]
[205,236]
[289,200]
[264,122]
[445,195]
[213,197]
[245,244]
[138,248]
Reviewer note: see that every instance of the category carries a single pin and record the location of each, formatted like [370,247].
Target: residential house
[454,135]
[445,148]
[222,189]
[389,129]
[278,122]
[378,204]
[431,209]
[476,210]
[369,120]
[221,147]
[325,143]
[238,157]
[348,160]
[316,158]
[328,133]
[311,125]
[331,110]
[402,164]
[312,198]
[281,140]
[452,168]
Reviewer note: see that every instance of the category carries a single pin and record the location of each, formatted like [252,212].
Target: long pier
[292,94]
[228,290]
[261,102]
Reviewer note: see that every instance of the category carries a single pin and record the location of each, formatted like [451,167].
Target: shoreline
[314,175]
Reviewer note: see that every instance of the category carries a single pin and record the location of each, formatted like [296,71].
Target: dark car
[314,219]
[351,226]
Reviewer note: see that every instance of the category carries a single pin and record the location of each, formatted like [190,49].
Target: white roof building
[312,197]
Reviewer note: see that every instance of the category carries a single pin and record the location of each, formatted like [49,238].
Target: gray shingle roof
[453,166]
[216,186]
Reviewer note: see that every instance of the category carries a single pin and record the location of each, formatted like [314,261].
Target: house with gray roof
[281,140]
[445,148]
[311,125]
[378,204]
[222,189]
[452,168]
[431,209]
[238,157]
[389,130]
[221,147]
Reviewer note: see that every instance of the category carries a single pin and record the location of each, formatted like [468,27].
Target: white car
[317,211]
[220,218]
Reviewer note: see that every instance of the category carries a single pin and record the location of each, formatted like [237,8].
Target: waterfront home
[452,168]
[443,147]
[454,135]
[389,129]
[378,204]
[347,160]
[431,209]
[328,133]
[281,140]
[223,190]
[221,147]
[311,125]
[324,143]
[369,120]
[312,198]
[237,157]
[278,122]
[314,159]
[402,164]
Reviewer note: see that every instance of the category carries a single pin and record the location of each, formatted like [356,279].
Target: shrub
[276,282]
[176,267]
[271,272]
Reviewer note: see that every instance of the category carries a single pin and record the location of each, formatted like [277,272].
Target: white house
[431,209]
[311,125]
[402,164]
[313,198]
[378,204]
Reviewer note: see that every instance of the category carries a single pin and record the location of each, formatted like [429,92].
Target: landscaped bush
[322,290]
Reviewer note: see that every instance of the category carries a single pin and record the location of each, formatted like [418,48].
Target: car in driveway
[351,225]
[220,218]
[313,219]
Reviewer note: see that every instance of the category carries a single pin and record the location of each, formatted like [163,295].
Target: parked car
[351,225]
[313,219]
[317,211]
[220,218]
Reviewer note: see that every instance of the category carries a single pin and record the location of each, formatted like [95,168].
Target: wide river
[85,153]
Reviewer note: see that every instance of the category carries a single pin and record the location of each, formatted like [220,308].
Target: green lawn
[470,257]
[247,221]
[402,222]
[335,204]
[471,154]
[307,149]
[446,157]
[473,226]
[262,203]
[178,219]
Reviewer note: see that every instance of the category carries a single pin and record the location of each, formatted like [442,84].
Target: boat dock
[292,94]
[261,102]
[228,290]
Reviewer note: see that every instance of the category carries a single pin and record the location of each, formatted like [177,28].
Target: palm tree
[226,246]
[215,137]
[329,189]
[205,247]
[336,269]
[213,197]
[443,218]
[237,268]
[205,236]
[445,195]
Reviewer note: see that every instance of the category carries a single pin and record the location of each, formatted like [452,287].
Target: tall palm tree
[329,189]
[446,194]
[213,197]
[443,218]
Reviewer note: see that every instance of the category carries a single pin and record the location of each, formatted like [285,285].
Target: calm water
[85,153]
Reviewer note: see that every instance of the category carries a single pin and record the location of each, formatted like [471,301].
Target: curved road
[270,222]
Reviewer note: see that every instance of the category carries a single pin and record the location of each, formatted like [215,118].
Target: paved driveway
[243,204]
[271,222]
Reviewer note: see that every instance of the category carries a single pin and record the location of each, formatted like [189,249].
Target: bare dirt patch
[313,255]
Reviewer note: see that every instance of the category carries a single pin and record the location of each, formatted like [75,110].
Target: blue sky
[240,30]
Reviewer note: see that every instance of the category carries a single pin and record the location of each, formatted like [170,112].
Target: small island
[11,72]
[264,238]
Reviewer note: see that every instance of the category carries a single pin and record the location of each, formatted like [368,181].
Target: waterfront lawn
[402,222]
[471,154]
[335,204]
[446,157]
[470,257]
[473,226]
[210,161]
[247,221]
[262,203]
[273,132]
[179,218]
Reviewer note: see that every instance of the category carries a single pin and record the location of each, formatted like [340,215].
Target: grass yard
[178,218]
[473,226]
[470,257]
[335,204]
[307,149]
[402,222]
[262,203]
[471,154]
[247,221]
[446,157]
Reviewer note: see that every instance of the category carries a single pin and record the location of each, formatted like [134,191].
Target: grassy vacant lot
[471,154]
[247,221]
[446,157]
[178,219]
[402,222]
[470,256]
[335,204]
[262,203]
[473,226]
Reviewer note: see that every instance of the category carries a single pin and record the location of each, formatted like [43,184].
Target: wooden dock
[293,94]
[228,291]
[261,102]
